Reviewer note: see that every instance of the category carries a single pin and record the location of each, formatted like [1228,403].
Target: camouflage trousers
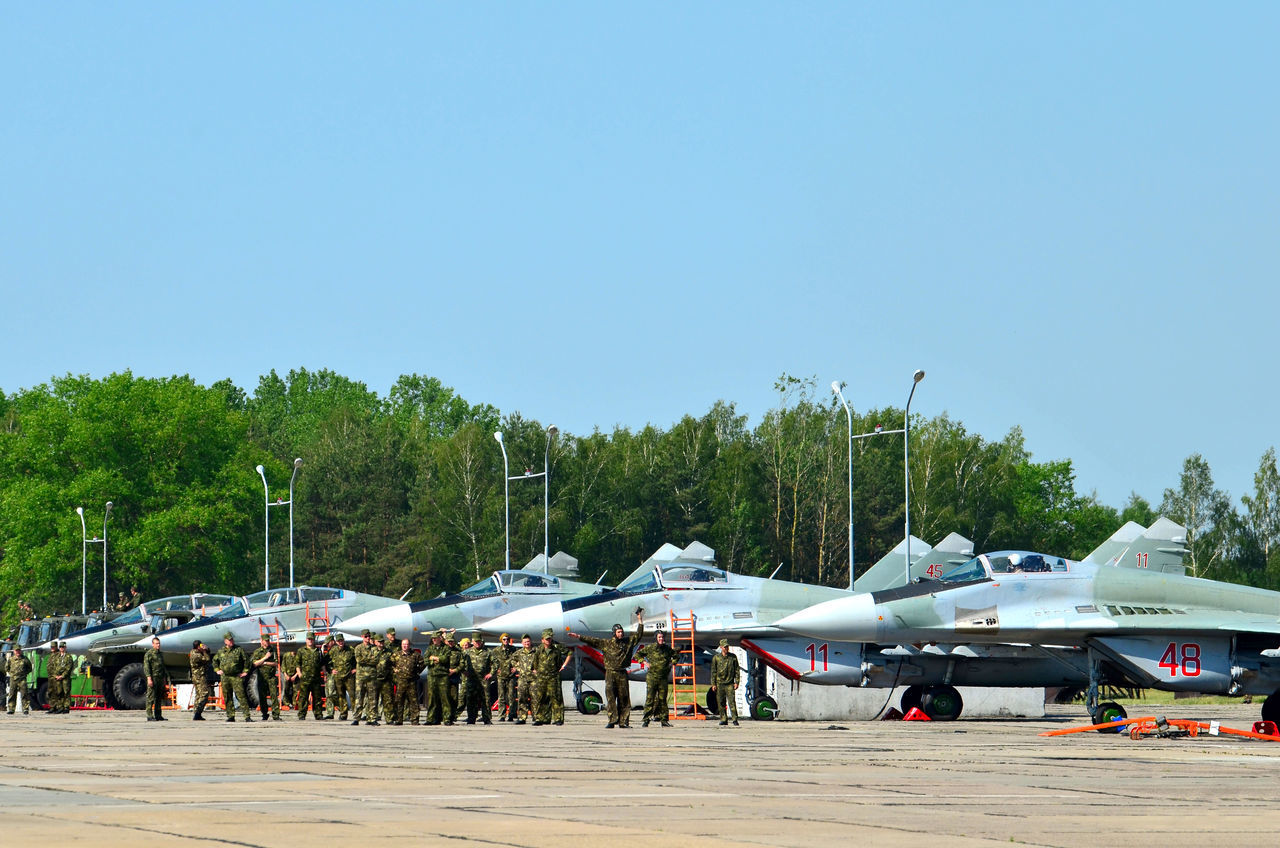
[308,691]
[726,701]
[524,697]
[60,694]
[372,692]
[18,687]
[202,693]
[268,694]
[233,688]
[339,692]
[655,697]
[473,698]
[507,696]
[389,713]
[617,690]
[157,694]
[439,707]
[405,707]
[549,699]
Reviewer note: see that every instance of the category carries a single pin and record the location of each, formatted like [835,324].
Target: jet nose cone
[399,616]
[532,620]
[851,619]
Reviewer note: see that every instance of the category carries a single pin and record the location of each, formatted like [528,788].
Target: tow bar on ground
[1145,727]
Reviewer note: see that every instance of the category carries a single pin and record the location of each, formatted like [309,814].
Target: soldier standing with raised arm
[658,658]
[199,661]
[617,659]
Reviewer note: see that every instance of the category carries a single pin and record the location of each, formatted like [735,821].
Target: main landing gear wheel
[590,703]
[1109,711]
[713,704]
[911,698]
[941,703]
[764,708]
[1271,708]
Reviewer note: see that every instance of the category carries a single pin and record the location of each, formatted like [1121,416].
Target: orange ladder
[684,687]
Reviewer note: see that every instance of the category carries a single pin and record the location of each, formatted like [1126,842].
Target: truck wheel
[41,700]
[130,687]
[590,703]
[941,703]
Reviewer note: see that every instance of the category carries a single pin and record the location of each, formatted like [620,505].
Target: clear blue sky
[598,215]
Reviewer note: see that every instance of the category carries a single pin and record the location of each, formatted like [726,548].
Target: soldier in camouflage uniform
[550,658]
[438,657]
[16,668]
[657,658]
[366,665]
[157,680]
[617,659]
[232,667]
[307,689]
[405,668]
[500,664]
[391,646]
[263,670]
[725,672]
[199,660]
[523,662]
[340,686]
[60,667]
[455,663]
[482,667]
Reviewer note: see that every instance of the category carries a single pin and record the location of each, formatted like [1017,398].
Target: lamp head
[553,429]
[80,511]
[297,463]
[109,505]
[498,436]
[918,376]
[836,386]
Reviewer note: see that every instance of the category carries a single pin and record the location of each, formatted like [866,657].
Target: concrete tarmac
[111,778]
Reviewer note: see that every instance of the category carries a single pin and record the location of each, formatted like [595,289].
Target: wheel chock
[1265,728]
[916,714]
[891,714]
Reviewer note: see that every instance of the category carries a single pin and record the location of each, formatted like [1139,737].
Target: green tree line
[404,493]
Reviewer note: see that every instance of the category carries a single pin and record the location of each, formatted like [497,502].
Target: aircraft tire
[942,703]
[251,692]
[1109,711]
[764,708]
[1271,708]
[911,698]
[590,703]
[129,687]
[713,705]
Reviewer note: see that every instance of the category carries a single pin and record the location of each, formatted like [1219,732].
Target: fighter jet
[1145,625]
[124,630]
[495,596]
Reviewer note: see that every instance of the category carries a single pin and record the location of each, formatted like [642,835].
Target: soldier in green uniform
[232,667]
[263,671]
[366,666]
[550,658]
[482,667]
[617,659]
[60,667]
[438,657]
[157,680]
[16,668]
[500,664]
[455,675]
[657,658]
[725,672]
[405,668]
[306,687]
[391,645]
[523,661]
[340,685]
[199,660]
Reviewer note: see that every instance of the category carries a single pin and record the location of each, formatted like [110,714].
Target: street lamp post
[546,501]
[506,496]
[106,516]
[906,464]
[266,524]
[84,561]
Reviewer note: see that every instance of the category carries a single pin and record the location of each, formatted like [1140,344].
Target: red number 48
[1185,657]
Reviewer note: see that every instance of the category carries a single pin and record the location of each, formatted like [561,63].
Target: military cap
[524,636]
[548,633]
[391,631]
[452,637]
[366,632]
[62,644]
[311,634]
[228,636]
[340,637]
[196,643]
[724,643]
[476,634]
[378,637]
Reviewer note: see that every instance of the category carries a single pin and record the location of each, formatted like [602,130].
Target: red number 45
[1185,657]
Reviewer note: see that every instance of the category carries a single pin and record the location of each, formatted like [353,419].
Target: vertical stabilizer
[1111,550]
